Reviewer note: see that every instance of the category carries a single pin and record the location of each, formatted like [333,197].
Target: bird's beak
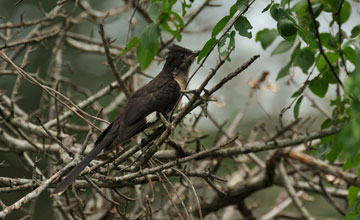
[193,55]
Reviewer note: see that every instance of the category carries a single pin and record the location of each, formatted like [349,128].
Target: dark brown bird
[160,95]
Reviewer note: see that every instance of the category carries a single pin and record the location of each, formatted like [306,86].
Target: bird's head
[178,62]
[179,58]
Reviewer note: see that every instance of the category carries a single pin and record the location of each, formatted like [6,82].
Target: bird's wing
[144,106]
[141,111]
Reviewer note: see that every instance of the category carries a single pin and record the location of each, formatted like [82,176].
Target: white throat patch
[150,118]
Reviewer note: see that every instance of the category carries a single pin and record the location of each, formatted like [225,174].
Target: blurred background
[88,70]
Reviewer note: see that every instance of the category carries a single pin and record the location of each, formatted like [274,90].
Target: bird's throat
[181,79]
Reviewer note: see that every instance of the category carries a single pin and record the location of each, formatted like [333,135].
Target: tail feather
[75,172]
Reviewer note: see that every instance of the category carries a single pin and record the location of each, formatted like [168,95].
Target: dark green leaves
[284,72]
[350,54]
[294,19]
[277,13]
[266,37]
[349,149]
[282,47]
[328,41]
[307,36]
[353,194]
[231,43]
[319,86]
[160,12]
[305,59]
[220,25]
[132,43]
[331,5]
[242,4]
[155,11]
[344,13]
[355,31]
[206,49]
[242,25]
[267,7]
[176,20]
[321,64]
[286,28]
[297,107]
[148,45]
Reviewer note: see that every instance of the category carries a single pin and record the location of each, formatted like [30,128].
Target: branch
[111,62]
[321,47]
[292,193]
[34,194]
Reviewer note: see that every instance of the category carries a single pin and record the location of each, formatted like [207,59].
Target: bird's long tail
[75,172]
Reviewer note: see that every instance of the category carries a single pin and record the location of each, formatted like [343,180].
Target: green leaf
[297,107]
[305,59]
[300,8]
[232,40]
[206,49]
[319,87]
[328,76]
[178,18]
[286,28]
[242,4]
[242,25]
[144,56]
[149,38]
[328,41]
[308,37]
[168,4]
[148,45]
[326,124]
[352,195]
[233,10]
[295,52]
[132,43]
[350,54]
[282,47]
[184,6]
[331,5]
[220,25]
[174,33]
[277,13]
[322,64]
[355,31]
[353,160]
[317,8]
[231,44]
[335,150]
[284,72]
[155,11]
[222,43]
[266,37]
[267,7]
[352,216]
[344,13]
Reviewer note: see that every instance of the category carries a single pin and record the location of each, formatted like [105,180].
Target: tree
[179,170]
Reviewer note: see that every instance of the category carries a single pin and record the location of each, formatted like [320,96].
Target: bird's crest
[176,49]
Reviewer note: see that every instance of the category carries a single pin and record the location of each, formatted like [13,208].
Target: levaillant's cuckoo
[143,109]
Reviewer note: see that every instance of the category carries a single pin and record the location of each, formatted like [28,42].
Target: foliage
[323,56]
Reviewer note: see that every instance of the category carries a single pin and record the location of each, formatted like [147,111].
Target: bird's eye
[182,56]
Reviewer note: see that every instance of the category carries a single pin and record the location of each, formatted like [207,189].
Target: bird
[160,96]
